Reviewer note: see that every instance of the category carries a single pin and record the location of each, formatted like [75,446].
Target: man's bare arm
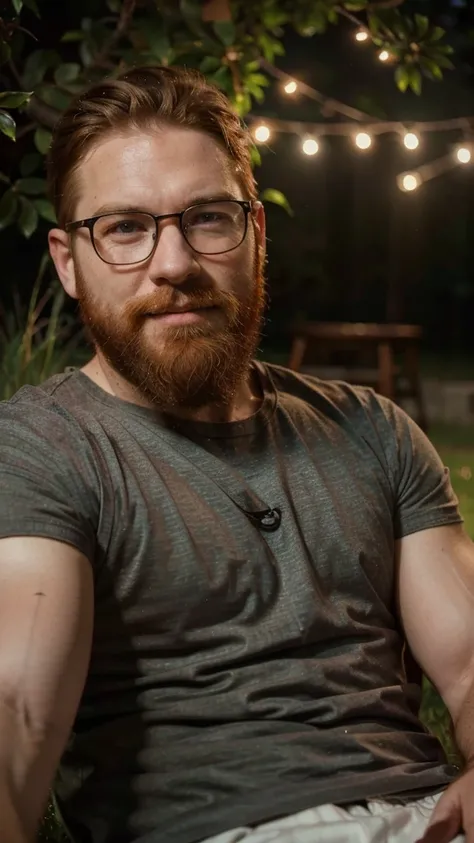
[436,597]
[46,621]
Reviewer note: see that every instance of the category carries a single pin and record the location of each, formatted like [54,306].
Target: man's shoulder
[33,395]
[45,408]
[334,397]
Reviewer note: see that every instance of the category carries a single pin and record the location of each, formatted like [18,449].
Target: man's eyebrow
[116,208]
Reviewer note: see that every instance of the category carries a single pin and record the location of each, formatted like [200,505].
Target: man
[211,568]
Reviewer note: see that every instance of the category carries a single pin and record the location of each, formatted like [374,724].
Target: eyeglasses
[127,237]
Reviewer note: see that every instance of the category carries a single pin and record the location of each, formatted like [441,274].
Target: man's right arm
[46,622]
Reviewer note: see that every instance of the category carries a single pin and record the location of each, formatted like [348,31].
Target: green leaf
[86,54]
[415,82]
[14,99]
[273,18]
[31,186]
[443,61]
[270,194]
[29,163]
[431,67]
[54,97]
[7,125]
[222,78]
[5,51]
[270,47]
[8,209]
[255,156]
[423,25]
[259,79]
[33,6]
[374,24]
[402,78]
[45,209]
[158,39]
[66,73]
[242,103]
[355,5]
[191,9]
[28,219]
[36,66]
[114,6]
[17,4]
[437,33]
[42,139]
[225,31]
[72,35]
[209,64]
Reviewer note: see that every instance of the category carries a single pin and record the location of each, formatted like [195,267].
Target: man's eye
[209,218]
[126,227]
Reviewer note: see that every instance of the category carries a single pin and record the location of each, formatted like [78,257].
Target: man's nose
[173,261]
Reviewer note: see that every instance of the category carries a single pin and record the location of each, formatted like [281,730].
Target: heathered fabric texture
[236,675]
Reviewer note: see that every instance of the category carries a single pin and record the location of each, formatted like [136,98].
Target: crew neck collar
[200,429]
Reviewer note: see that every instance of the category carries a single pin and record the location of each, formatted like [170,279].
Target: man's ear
[258,213]
[61,253]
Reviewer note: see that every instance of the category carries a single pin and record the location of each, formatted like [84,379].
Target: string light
[362,35]
[363,140]
[463,154]
[262,134]
[310,146]
[409,181]
[291,87]
[411,140]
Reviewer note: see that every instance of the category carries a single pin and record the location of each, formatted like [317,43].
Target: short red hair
[141,98]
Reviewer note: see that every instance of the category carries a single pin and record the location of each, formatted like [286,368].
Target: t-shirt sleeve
[48,485]
[423,494]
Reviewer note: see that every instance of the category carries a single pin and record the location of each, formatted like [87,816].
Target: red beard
[195,365]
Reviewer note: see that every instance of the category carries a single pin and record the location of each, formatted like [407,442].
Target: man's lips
[182,316]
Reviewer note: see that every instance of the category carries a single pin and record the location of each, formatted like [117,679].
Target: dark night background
[357,247]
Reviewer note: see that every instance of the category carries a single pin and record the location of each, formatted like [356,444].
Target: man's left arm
[435,570]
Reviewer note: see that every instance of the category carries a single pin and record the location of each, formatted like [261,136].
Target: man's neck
[245,403]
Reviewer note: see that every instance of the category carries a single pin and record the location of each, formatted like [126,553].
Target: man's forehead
[153,166]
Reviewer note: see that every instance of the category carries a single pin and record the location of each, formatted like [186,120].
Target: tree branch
[24,130]
[123,24]
[43,113]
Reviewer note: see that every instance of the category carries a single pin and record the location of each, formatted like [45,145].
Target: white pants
[379,822]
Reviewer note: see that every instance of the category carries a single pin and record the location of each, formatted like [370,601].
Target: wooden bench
[394,348]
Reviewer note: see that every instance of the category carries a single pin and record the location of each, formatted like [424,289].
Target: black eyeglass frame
[246,205]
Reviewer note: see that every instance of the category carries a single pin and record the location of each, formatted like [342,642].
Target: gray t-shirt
[236,674]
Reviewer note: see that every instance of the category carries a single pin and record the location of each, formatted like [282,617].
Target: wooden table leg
[386,384]
[413,374]
[297,353]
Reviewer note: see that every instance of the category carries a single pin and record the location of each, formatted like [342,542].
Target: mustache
[163,300]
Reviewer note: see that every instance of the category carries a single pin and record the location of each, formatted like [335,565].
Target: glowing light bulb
[411,140]
[409,181]
[463,154]
[384,55]
[262,134]
[290,87]
[310,146]
[363,140]
[362,35]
